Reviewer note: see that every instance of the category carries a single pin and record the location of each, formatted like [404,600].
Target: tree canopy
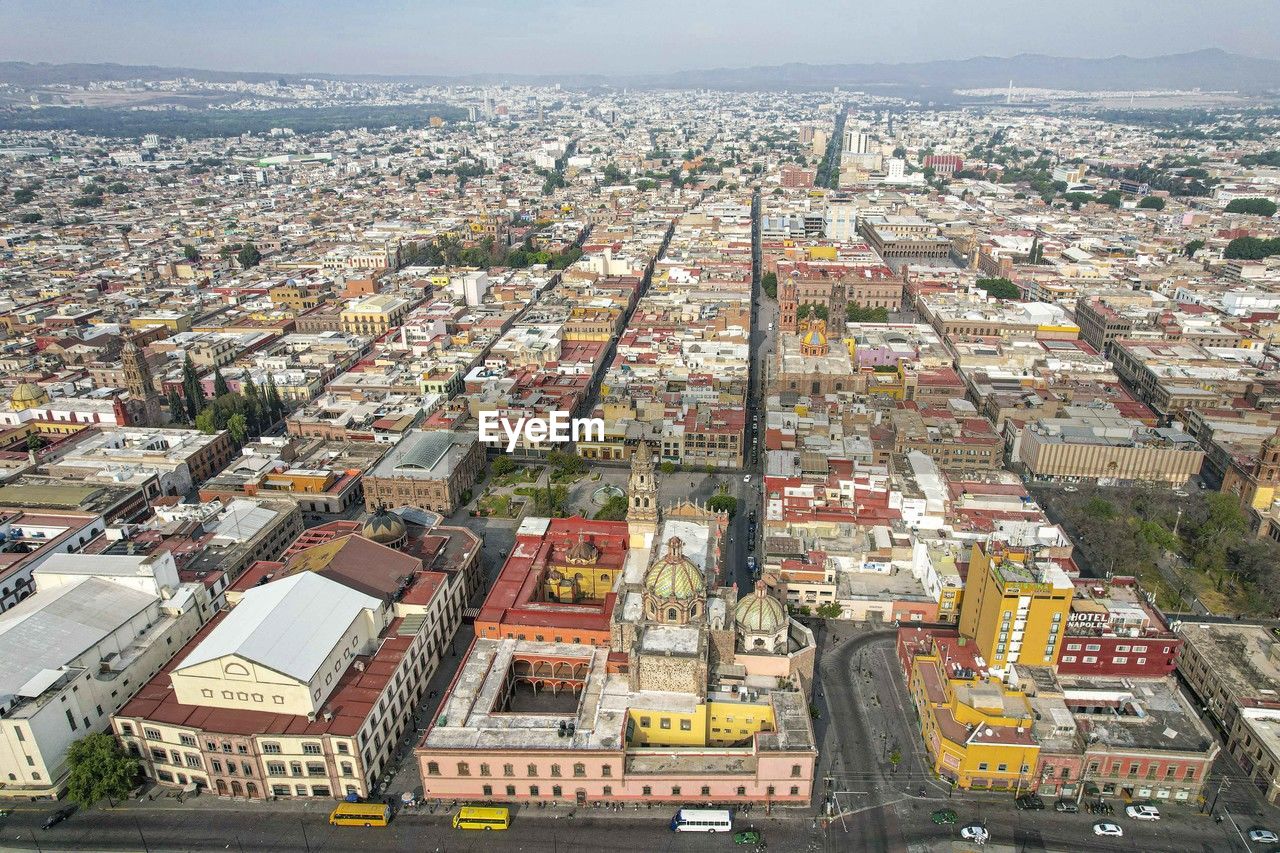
[1000,288]
[99,769]
[1257,206]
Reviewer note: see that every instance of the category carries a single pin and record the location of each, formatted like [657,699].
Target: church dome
[760,613]
[582,552]
[28,394]
[385,528]
[675,575]
[815,339]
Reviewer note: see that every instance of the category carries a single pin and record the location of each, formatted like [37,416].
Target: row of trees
[1252,248]
[1257,206]
[1000,288]
[251,412]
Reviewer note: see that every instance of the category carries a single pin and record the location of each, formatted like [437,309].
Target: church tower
[138,381]
[642,497]
[788,303]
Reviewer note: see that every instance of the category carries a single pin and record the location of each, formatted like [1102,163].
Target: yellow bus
[480,817]
[361,814]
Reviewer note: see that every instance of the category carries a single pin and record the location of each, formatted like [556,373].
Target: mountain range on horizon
[1211,68]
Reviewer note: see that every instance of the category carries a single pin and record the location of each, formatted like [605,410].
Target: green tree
[1000,288]
[190,252]
[220,386]
[249,256]
[23,196]
[177,409]
[830,610]
[667,468]
[1191,248]
[859,314]
[614,509]
[253,405]
[502,466]
[239,429]
[30,218]
[722,501]
[1252,248]
[1151,202]
[206,421]
[1111,198]
[192,393]
[1257,206]
[769,284]
[99,769]
[813,309]
[275,406]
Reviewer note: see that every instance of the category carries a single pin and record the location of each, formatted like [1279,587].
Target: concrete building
[76,650]
[1097,442]
[695,694]
[1234,672]
[427,468]
[374,316]
[178,459]
[247,710]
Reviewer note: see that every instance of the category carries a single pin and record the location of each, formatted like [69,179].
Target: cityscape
[859,446]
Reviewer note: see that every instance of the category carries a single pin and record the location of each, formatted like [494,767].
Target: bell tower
[642,497]
[138,381]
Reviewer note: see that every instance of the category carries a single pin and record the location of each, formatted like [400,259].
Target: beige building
[427,468]
[1091,443]
[374,316]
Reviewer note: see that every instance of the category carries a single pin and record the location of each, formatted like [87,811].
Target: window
[532,770]
[1068,658]
[665,723]
[511,790]
[311,749]
[706,790]
[795,790]
[1120,660]
[433,769]
[579,770]
[608,790]
[271,748]
[488,790]
[484,770]
[1073,647]
[795,771]
[275,768]
[1002,768]
[1093,647]
[314,768]
[533,790]
[157,755]
[675,790]
[186,740]
[464,769]
[1090,658]
[606,770]
[556,791]
[742,791]
[194,761]
[1190,774]
[151,734]
[982,766]
[1122,648]
[646,791]
[508,770]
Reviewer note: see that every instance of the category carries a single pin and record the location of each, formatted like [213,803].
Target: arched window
[671,614]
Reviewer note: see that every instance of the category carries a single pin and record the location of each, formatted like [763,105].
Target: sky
[611,36]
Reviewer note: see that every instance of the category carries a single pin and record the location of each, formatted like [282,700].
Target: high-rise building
[1016,607]
[857,141]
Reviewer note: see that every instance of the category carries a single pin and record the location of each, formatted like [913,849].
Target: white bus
[702,820]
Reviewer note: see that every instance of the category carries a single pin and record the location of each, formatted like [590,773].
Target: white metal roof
[289,626]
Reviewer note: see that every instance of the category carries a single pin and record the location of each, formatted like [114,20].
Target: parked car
[943,816]
[58,817]
[746,836]
[1029,801]
[1258,835]
[747,478]
[1066,806]
[975,832]
[1111,829]
[1142,812]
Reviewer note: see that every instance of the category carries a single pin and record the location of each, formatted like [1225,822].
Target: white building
[74,652]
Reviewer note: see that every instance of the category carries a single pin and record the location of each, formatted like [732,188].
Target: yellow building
[978,731]
[1015,609]
[171,320]
[374,316]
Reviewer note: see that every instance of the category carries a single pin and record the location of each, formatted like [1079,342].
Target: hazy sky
[611,36]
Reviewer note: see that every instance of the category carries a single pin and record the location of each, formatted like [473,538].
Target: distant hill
[1205,69]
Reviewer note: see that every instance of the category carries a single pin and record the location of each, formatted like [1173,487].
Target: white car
[975,832]
[746,479]
[1142,812]
[1263,836]
[1110,829]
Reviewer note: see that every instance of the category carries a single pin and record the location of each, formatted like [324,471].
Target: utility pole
[1223,782]
[141,836]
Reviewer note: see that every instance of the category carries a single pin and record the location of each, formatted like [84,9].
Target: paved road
[248,829]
